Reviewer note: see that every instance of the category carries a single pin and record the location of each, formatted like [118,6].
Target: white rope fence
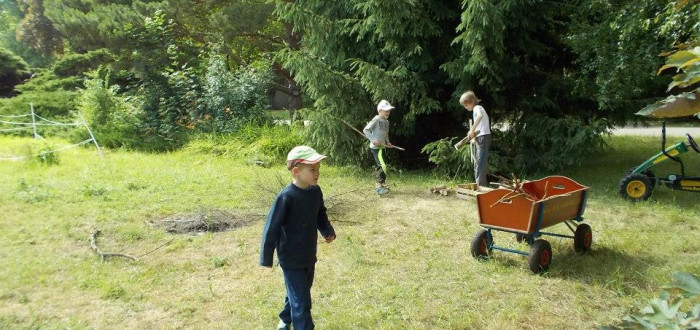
[6,157]
[15,116]
[43,122]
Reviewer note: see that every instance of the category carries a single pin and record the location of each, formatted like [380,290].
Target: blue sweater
[291,227]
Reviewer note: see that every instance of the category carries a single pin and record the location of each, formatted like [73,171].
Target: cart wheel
[480,247]
[635,187]
[540,256]
[583,238]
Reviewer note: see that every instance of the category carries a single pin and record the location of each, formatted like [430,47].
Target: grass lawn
[400,262]
[279,114]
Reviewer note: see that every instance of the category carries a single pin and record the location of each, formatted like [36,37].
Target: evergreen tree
[421,55]
[95,24]
[10,16]
[36,30]
[355,53]
[13,70]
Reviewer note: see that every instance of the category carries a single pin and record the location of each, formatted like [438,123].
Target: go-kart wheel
[692,143]
[583,238]
[636,187]
[480,245]
[651,176]
[648,173]
[540,256]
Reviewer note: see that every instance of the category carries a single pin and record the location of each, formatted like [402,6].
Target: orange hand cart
[537,205]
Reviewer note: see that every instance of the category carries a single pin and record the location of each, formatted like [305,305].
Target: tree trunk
[292,39]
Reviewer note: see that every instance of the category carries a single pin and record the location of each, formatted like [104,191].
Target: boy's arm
[369,128]
[324,226]
[271,231]
[479,116]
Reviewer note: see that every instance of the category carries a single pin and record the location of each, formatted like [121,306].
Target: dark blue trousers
[381,176]
[297,303]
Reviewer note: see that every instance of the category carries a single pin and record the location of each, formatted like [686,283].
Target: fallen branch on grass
[441,189]
[103,256]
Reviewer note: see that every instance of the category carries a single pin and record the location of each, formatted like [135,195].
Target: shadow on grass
[605,267]
[602,266]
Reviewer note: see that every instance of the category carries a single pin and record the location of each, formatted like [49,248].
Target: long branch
[103,256]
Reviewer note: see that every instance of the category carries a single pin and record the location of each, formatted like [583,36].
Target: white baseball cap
[384,105]
[304,155]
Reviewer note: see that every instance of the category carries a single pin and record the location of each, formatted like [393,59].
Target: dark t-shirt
[291,227]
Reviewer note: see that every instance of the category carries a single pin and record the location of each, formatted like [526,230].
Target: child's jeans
[481,159]
[381,176]
[297,303]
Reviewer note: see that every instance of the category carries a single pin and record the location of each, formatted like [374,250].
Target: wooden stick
[351,127]
[103,256]
[545,190]
[358,131]
[502,198]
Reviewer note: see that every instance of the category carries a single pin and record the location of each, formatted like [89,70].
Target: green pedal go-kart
[639,182]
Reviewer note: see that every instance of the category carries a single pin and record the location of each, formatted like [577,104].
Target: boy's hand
[388,144]
[329,238]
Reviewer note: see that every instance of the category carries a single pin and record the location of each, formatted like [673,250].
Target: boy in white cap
[291,228]
[377,131]
[482,139]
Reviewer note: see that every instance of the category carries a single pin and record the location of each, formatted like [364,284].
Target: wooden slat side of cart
[561,199]
[528,209]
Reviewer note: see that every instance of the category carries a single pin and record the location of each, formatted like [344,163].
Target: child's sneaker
[381,191]
[283,326]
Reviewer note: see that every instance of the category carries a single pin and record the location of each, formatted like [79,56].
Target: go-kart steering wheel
[692,143]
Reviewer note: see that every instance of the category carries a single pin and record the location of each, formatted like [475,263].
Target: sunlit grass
[400,261]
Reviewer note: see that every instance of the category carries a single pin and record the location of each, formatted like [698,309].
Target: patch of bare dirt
[205,221]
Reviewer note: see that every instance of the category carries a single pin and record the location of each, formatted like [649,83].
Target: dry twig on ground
[103,256]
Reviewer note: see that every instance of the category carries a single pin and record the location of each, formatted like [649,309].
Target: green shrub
[457,163]
[537,144]
[231,99]
[42,152]
[52,105]
[665,312]
[266,143]
[167,81]
[13,69]
[77,64]
[47,155]
[449,161]
[52,97]
[113,120]
[47,81]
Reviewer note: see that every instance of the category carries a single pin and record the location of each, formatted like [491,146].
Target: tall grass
[400,261]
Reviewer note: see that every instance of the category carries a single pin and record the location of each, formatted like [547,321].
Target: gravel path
[656,131]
